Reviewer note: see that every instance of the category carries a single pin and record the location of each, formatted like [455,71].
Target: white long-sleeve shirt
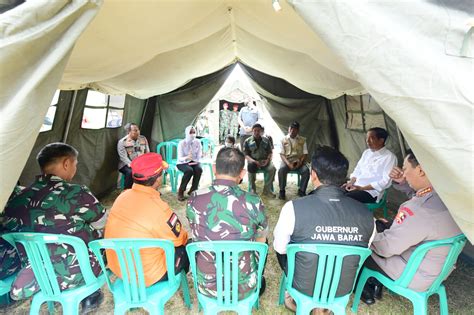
[185,147]
[373,169]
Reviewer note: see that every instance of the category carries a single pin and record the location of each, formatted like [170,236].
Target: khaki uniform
[422,218]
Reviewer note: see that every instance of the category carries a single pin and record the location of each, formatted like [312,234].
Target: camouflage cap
[147,165]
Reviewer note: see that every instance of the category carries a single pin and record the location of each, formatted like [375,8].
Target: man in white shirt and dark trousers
[325,216]
[370,177]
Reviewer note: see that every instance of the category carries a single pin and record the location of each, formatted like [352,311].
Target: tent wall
[177,109]
[98,160]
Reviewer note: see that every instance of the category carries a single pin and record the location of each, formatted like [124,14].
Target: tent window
[363,113]
[102,111]
[49,118]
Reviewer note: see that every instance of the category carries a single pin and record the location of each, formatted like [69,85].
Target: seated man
[140,213]
[422,218]
[258,152]
[130,147]
[53,205]
[293,156]
[309,220]
[224,211]
[370,177]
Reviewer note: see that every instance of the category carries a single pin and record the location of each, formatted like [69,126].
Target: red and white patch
[402,214]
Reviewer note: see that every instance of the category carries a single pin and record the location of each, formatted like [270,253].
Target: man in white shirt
[325,216]
[370,177]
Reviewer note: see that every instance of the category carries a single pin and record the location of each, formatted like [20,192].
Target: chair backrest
[207,146]
[169,151]
[328,272]
[455,245]
[226,255]
[35,245]
[130,262]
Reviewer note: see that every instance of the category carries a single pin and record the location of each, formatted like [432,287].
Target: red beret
[147,165]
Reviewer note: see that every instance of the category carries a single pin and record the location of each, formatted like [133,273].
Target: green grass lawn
[459,285]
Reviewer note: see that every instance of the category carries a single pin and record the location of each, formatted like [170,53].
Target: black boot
[91,302]
[181,195]
[367,295]
[378,288]
[281,195]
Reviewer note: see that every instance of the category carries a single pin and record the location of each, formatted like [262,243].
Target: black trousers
[194,171]
[181,262]
[361,196]
[127,173]
[283,173]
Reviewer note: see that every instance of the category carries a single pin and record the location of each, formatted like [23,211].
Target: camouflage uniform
[9,260]
[51,205]
[234,123]
[224,211]
[259,151]
[224,123]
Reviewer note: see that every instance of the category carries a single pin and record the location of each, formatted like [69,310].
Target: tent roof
[147,48]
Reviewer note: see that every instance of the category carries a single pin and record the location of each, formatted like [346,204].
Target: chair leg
[50,307]
[443,300]
[360,286]
[185,288]
[281,298]
[420,306]
[385,210]
[35,306]
[70,307]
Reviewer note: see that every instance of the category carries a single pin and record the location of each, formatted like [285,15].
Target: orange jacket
[140,213]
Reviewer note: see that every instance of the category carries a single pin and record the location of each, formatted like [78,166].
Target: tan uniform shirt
[422,218]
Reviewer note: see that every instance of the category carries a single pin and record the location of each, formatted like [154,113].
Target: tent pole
[401,140]
[69,117]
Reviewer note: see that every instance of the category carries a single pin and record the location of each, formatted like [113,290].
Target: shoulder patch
[174,224]
[403,212]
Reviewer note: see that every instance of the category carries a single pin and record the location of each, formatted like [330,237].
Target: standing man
[249,115]
[140,213]
[224,122]
[325,216]
[421,219]
[53,205]
[130,147]
[234,121]
[224,211]
[293,156]
[258,152]
[370,177]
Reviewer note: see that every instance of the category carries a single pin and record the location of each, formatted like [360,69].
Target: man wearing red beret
[140,213]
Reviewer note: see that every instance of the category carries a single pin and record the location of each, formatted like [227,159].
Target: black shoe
[367,295]
[281,195]
[301,193]
[262,286]
[91,302]
[378,288]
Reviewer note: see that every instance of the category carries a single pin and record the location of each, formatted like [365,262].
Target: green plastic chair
[208,147]
[265,174]
[130,291]
[330,258]
[5,286]
[382,204]
[35,245]
[298,175]
[400,286]
[227,253]
[169,150]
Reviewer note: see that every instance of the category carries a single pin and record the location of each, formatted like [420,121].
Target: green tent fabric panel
[98,159]
[287,103]
[133,111]
[176,110]
[31,168]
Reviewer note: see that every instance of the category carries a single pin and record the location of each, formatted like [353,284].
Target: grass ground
[460,285]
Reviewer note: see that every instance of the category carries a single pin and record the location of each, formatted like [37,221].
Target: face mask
[192,136]
[228,145]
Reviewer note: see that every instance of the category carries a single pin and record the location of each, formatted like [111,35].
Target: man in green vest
[258,152]
[293,156]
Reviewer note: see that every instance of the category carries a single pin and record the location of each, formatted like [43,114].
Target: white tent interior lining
[407,55]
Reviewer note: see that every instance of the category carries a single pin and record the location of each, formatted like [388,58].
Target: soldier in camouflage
[9,260]
[224,122]
[234,121]
[224,211]
[53,205]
